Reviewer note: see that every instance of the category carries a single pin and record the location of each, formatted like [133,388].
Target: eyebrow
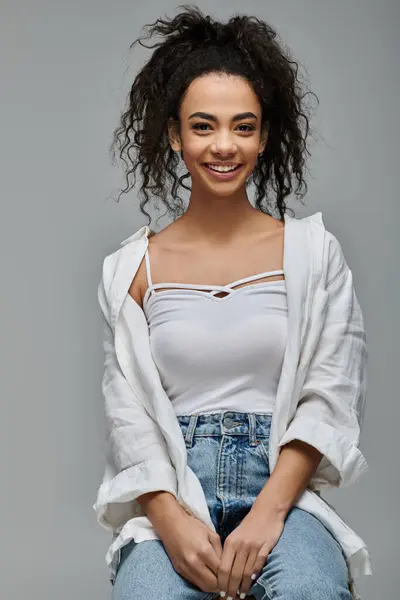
[238,117]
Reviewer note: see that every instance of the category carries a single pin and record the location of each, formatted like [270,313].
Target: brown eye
[250,128]
[198,125]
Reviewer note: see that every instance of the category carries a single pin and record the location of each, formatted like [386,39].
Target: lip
[224,176]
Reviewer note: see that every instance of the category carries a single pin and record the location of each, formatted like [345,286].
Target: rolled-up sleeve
[330,411]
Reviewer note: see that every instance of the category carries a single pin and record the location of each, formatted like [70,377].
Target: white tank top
[218,353]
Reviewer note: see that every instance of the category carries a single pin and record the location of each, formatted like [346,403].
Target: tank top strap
[262,275]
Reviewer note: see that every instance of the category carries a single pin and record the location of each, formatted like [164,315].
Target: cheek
[250,152]
[195,149]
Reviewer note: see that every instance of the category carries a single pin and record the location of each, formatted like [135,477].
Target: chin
[225,193]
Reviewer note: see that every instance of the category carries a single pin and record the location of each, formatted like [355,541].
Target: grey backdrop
[65,70]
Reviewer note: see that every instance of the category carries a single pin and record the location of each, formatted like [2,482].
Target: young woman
[235,354]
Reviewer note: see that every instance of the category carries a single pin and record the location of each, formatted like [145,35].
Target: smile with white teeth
[221,168]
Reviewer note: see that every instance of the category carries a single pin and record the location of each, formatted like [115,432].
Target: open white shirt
[320,398]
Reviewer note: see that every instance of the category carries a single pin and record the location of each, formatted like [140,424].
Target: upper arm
[138,285]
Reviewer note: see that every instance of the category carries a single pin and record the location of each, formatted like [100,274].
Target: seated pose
[234,343]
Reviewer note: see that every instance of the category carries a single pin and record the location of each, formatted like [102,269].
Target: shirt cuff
[148,476]
[342,463]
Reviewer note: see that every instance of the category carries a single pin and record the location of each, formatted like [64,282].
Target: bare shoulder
[270,223]
[159,242]
[171,234]
[265,227]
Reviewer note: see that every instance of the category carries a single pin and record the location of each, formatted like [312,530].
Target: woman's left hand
[246,549]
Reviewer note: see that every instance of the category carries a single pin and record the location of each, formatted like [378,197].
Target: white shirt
[145,447]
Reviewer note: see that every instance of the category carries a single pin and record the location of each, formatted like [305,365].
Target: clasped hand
[246,550]
[197,554]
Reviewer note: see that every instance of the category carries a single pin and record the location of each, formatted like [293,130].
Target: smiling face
[220,128]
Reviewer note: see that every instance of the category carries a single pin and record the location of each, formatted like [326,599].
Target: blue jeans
[228,451]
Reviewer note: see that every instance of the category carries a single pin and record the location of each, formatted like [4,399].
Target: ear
[263,137]
[173,135]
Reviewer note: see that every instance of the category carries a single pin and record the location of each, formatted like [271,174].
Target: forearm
[161,508]
[297,463]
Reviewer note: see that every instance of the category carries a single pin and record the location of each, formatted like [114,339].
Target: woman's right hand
[193,548]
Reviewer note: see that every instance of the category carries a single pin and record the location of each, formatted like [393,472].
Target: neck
[218,218]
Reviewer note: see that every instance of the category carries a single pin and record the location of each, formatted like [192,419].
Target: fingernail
[229,598]
[243,596]
[222,594]
[253,576]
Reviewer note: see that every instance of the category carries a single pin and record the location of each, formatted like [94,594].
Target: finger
[236,575]
[259,563]
[215,541]
[213,557]
[225,568]
[203,578]
[248,570]
[200,575]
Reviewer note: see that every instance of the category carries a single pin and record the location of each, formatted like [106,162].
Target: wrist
[266,507]
[160,507]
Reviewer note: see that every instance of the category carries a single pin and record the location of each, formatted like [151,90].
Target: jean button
[228,422]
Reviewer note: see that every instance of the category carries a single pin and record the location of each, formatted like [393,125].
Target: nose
[224,146]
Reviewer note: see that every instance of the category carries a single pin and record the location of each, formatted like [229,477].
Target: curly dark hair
[195,44]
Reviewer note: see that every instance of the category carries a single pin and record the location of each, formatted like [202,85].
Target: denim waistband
[226,422]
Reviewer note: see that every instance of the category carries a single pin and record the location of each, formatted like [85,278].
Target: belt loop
[190,431]
[252,429]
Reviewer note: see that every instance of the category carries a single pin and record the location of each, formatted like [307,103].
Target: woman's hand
[246,550]
[194,550]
